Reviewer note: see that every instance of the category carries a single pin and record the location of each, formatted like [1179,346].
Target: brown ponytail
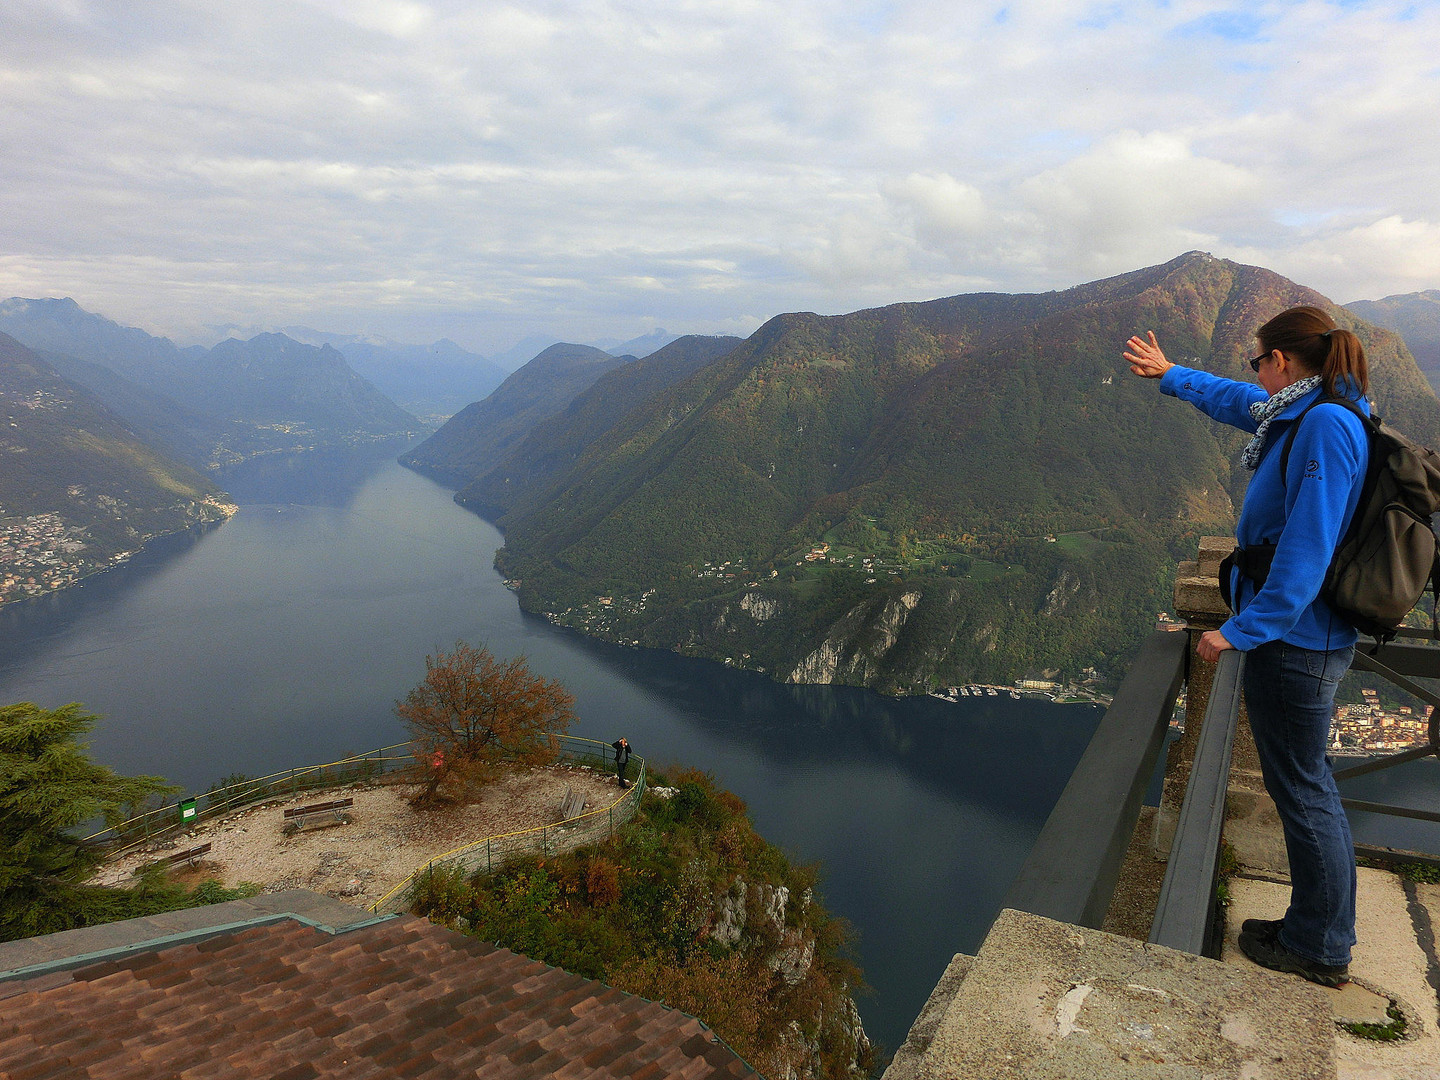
[1310,338]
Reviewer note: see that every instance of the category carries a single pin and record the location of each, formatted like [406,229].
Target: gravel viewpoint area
[385,841]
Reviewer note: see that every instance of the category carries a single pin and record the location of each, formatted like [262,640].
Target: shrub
[602,883]
[636,912]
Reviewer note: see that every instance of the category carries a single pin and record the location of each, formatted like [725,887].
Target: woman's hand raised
[1146,358]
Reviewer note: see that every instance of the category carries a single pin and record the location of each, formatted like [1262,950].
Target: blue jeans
[1290,695]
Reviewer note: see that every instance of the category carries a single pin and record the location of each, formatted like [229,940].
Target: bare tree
[473,712]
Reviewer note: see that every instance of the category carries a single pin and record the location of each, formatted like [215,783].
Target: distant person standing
[1313,377]
[622,759]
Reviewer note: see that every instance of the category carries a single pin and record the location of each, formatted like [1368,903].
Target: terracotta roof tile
[393,999]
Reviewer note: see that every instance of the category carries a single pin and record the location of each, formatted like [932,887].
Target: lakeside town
[41,552]
[1082,691]
[1369,726]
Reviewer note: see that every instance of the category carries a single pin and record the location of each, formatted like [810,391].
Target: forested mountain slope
[553,445]
[972,487]
[485,433]
[1416,318]
[78,490]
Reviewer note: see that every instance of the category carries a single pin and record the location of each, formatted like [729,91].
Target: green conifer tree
[48,786]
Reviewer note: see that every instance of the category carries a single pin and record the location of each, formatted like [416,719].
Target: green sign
[187,809]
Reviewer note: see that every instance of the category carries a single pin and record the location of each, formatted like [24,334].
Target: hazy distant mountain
[278,380]
[234,400]
[521,352]
[552,446]
[78,490]
[171,428]
[969,488]
[641,346]
[1416,318]
[439,378]
[483,434]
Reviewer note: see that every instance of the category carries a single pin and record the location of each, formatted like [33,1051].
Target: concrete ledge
[909,1059]
[1197,596]
[1393,960]
[1046,1001]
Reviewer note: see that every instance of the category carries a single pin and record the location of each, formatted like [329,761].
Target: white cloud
[943,206]
[1134,199]
[496,169]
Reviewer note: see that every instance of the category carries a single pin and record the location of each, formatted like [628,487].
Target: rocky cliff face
[752,917]
[856,648]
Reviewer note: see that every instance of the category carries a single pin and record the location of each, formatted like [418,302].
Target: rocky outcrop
[728,922]
[753,916]
[759,607]
[856,647]
[1066,586]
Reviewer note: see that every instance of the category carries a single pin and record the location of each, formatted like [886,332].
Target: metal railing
[166,819]
[1073,867]
[1400,663]
[492,851]
[1185,914]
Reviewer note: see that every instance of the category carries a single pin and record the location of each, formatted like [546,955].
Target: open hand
[1146,358]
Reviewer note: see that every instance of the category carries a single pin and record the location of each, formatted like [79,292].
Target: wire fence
[486,854]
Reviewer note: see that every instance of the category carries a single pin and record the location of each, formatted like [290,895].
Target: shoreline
[123,559]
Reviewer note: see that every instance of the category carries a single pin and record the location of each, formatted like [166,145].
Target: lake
[285,636]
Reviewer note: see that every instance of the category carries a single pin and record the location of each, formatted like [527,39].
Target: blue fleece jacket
[1304,514]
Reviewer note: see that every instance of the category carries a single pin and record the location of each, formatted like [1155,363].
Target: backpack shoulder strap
[1370,422]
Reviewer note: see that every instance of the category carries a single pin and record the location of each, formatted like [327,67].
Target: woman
[1298,647]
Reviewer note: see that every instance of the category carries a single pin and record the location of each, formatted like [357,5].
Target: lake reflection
[285,636]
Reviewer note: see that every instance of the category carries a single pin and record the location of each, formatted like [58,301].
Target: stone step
[1045,999]
[1393,960]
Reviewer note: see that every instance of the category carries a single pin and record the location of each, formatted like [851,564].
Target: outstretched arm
[1146,358]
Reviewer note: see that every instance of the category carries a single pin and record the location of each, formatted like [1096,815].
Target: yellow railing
[492,851]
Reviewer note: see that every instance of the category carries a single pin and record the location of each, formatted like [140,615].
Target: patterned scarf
[1266,411]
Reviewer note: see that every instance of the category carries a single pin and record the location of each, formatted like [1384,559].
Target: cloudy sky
[596,168]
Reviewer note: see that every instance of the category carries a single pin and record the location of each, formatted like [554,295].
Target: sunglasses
[1255,363]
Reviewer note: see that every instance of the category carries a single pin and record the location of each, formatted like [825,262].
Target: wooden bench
[572,805]
[192,856]
[320,815]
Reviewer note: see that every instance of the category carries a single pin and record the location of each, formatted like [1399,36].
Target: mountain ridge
[227,403]
[1416,318]
[991,493]
[553,444]
[484,433]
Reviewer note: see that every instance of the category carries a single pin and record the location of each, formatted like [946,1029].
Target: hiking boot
[1268,927]
[1265,949]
